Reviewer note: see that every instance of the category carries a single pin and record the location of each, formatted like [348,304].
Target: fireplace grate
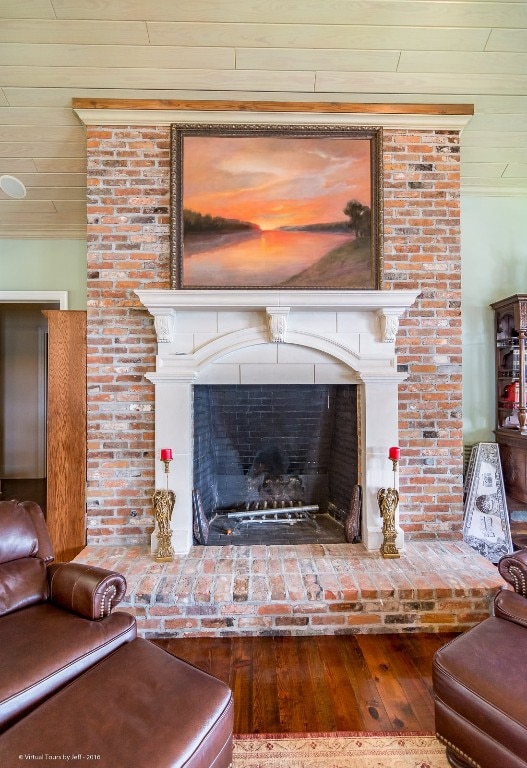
[288,515]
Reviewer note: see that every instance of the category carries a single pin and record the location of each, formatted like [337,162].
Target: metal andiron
[164,501]
[388,499]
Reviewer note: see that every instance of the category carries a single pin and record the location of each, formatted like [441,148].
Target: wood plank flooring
[322,683]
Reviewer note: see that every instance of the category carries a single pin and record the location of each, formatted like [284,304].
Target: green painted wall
[45,265]
[494,266]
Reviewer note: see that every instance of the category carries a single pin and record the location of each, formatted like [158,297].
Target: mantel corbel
[388,323]
[277,318]
[165,324]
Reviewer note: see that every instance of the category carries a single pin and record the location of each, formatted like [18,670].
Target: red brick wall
[422,250]
[128,248]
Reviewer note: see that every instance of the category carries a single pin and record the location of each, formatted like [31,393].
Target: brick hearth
[303,590]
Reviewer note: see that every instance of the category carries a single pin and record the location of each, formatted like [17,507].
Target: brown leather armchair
[55,619]
[479,682]
[75,680]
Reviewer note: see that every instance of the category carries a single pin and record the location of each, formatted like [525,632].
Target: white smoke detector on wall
[12,186]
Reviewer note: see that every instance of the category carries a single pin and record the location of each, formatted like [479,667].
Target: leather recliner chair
[55,618]
[75,680]
[479,681]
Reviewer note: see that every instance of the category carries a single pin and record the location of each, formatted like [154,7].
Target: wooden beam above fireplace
[94,111]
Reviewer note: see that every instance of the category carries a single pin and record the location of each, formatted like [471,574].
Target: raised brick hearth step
[303,590]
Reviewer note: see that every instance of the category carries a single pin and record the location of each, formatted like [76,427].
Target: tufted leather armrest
[511,606]
[86,590]
[513,568]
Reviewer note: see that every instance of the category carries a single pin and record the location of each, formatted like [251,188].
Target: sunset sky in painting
[274,181]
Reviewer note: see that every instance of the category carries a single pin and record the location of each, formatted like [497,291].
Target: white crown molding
[152,117]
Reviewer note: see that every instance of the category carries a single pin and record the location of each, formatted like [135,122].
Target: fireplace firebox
[266,455]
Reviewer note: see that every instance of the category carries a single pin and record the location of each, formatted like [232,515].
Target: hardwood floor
[322,683]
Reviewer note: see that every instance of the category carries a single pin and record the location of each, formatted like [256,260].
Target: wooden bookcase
[511,408]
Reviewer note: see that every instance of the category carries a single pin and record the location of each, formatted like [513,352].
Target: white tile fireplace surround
[276,337]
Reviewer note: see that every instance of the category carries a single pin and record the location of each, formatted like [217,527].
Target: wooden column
[66,439]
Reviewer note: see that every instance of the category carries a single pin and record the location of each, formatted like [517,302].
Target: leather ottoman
[480,703]
[140,707]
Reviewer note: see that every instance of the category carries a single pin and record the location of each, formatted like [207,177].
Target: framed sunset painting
[282,207]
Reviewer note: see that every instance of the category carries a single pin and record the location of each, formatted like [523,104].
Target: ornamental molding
[277,323]
[159,300]
[164,323]
[389,324]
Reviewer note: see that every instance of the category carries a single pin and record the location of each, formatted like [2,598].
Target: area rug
[338,750]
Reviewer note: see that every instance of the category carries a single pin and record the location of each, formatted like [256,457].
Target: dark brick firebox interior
[275,446]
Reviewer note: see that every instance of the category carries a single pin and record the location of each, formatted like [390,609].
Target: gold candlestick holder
[388,499]
[163,501]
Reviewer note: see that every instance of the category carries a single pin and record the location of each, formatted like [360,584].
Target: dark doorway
[23,398]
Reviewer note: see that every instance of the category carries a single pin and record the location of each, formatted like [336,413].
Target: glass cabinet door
[510,363]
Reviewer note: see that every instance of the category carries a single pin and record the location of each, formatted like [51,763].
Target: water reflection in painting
[288,257]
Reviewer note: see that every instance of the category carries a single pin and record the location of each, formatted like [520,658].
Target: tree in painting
[359,218]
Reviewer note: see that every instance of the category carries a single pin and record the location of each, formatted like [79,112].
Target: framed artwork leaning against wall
[486,526]
[276,206]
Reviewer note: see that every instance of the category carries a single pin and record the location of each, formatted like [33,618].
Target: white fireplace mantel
[276,337]
[165,304]
[367,300]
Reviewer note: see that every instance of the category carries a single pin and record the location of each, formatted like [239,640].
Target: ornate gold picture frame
[276,206]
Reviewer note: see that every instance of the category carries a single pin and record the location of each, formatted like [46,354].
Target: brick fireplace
[129,256]
[149,346]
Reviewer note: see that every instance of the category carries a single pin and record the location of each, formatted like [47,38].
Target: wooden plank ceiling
[419,51]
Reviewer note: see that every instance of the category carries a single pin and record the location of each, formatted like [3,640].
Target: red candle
[166,454]
[394,453]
